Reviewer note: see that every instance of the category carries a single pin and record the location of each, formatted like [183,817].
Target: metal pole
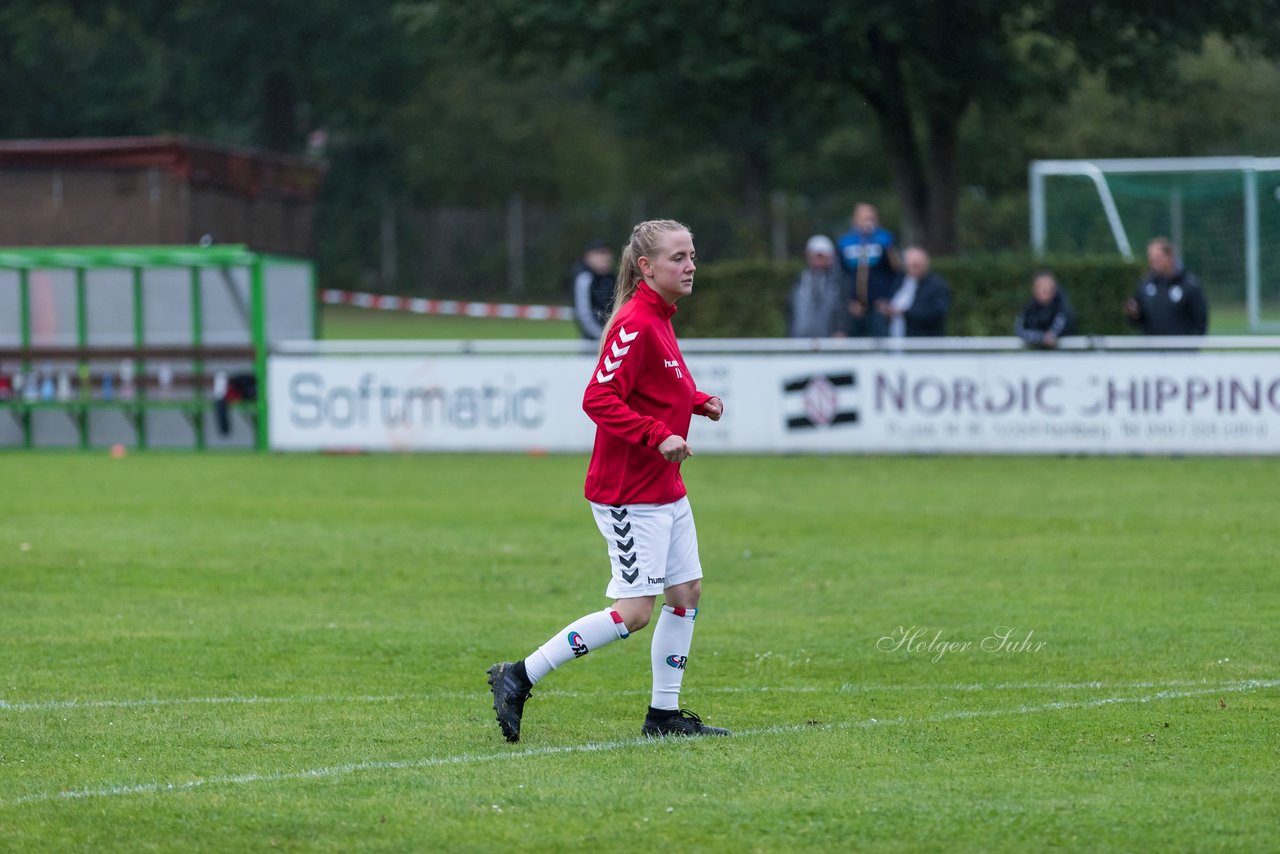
[317,312]
[139,363]
[24,332]
[1252,271]
[197,364]
[1175,223]
[257,299]
[515,244]
[1035,178]
[1074,167]
[387,238]
[1113,213]
[82,340]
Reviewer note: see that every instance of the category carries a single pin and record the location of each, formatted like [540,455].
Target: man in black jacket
[920,304]
[592,280]
[1047,316]
[1169,299]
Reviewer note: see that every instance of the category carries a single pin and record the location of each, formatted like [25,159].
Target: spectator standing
[593,283]
[1048,315]
[1169,299]
[921,301]
[819,302]
[870,257]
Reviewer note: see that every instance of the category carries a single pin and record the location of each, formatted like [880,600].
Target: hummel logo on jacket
[640,393]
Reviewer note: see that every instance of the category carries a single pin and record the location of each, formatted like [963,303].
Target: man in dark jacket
[920,304]
[1047,316]
[1169,299]
[593,282]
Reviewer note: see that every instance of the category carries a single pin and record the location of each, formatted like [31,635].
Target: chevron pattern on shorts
[626,547]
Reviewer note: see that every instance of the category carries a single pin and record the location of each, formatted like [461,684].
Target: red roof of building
[248,171]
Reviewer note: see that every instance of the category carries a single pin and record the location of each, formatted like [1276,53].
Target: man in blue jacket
[871,259]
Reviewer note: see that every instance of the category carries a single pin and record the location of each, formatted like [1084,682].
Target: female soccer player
[641,397]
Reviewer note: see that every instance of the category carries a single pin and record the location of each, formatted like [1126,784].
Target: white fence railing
[744,346]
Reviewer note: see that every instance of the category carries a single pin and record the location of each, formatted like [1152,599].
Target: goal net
[1222,214]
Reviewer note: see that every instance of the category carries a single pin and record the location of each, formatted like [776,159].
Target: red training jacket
[640,393]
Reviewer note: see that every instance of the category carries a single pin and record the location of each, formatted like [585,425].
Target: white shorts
[651,546]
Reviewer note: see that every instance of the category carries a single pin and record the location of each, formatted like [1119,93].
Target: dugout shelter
[146,347]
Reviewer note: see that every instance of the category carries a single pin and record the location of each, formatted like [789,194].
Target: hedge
[747,299]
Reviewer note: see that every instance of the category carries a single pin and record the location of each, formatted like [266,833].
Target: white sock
[672,638]
[574,641]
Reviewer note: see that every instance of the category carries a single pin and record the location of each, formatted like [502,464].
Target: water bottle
[64,386]
[126,380]
[164,378]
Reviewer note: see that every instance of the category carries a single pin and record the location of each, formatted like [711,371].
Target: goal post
[1221,213]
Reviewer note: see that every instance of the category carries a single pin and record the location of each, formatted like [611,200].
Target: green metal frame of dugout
[134,345]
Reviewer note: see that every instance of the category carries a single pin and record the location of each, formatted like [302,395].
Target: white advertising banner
[1088,403]
[428,403]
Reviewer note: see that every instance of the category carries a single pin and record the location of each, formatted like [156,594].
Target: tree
[740,71]
[683,77]
[261,76]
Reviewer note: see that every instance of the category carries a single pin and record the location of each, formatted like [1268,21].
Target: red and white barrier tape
[385,302]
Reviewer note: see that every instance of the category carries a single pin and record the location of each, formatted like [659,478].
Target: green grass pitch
[348,322]
[250,653]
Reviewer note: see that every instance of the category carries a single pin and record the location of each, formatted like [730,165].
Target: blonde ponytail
[644,241]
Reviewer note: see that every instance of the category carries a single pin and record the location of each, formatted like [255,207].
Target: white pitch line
[333,771]
[606,746]
[251,700]
[319,699]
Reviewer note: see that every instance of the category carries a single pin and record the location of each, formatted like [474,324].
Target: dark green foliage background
[747,299]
